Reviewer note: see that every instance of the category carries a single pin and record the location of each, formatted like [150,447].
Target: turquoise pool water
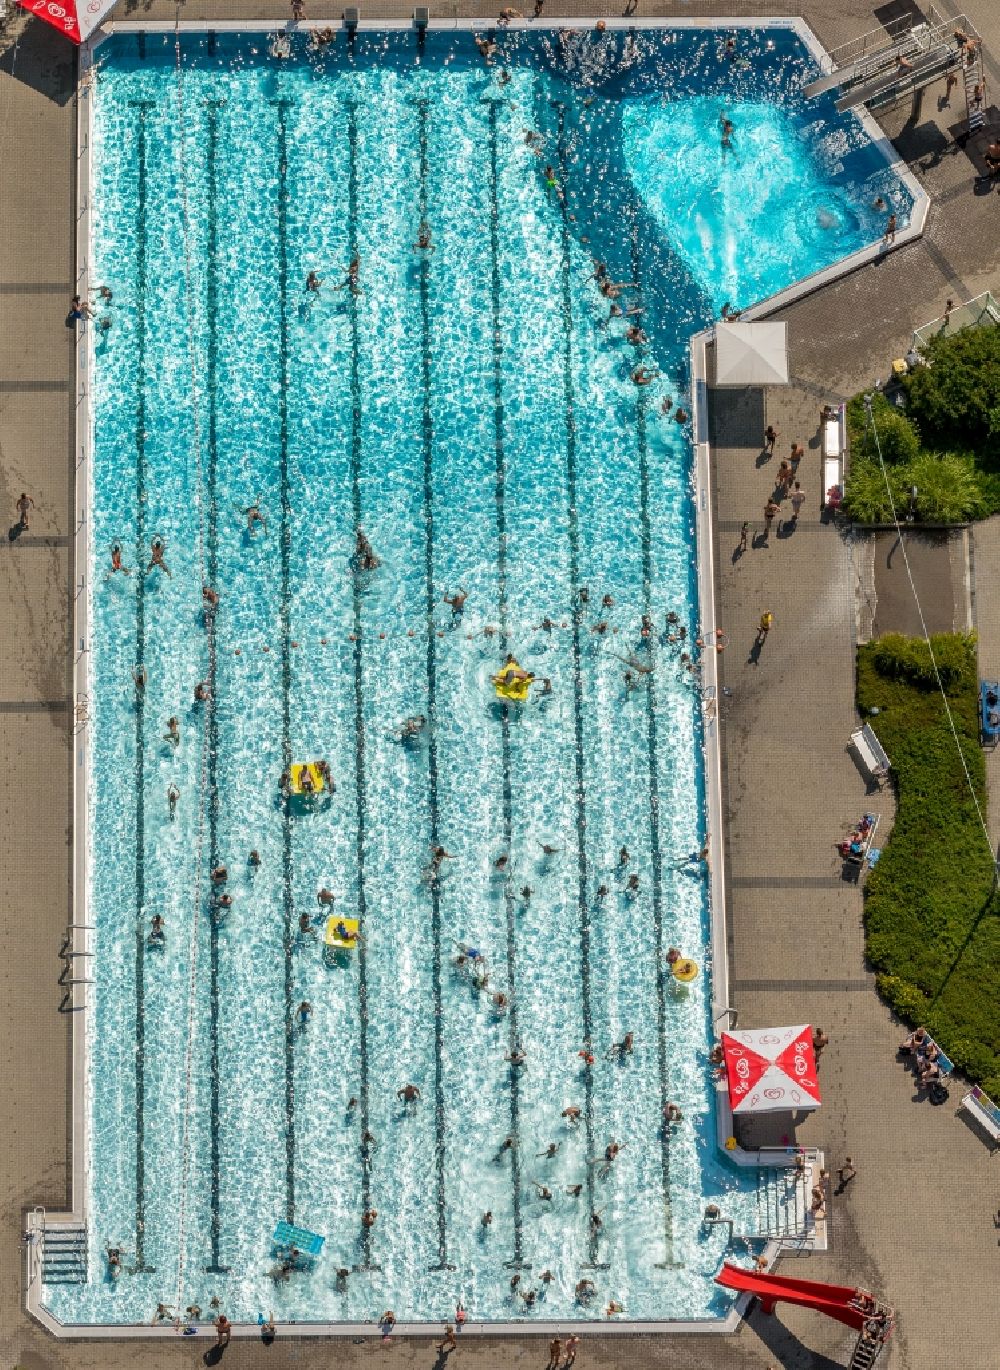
[471,408]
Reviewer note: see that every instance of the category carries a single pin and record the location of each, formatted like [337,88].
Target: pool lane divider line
[569,394]
[517,1261]
[288,895]
[212,108]
[141,267]
[427,443]
[652,753]
[360,771]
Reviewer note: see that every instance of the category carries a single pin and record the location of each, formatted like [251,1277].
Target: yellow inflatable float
[307,778]
[512,681]
[341,933]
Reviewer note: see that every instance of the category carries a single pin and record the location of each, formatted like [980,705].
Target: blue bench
[989,712]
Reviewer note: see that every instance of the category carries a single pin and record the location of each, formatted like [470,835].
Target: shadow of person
[754,658]
[213,1355]
[14,533]
[759,540]
[763,457]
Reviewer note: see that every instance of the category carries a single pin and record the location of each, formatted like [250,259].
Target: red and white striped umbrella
[77,19]
[771,1069]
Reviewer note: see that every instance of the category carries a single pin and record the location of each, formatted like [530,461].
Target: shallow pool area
[465,439]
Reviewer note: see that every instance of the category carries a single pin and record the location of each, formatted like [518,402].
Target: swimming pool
[470,405]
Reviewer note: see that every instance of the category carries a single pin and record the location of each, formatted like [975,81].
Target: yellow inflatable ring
[685,969]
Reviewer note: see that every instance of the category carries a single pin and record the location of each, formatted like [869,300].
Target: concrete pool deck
[917,1218]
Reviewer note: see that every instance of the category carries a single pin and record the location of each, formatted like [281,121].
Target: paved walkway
[916,1224]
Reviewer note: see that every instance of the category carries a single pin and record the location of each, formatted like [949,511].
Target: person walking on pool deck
[23,505]
[449,1342]
[765,626]
[797,501]
[555,1354]
[771,436]
[770,509]
[846,1173]
[224,1330]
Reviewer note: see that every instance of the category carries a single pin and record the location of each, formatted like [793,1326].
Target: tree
[955,399]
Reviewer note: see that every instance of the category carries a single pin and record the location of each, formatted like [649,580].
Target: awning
[77,19]
[770,1070]
[751,354]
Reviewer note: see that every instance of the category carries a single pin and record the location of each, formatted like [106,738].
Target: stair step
[64,1255]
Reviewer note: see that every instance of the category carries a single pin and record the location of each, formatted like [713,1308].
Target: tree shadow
[986,908]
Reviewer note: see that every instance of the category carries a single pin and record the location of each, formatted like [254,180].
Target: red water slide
[832,1299]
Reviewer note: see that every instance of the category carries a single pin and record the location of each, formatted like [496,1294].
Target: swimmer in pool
[254,516]
[156,558]
[350,281]
[364,553]
[116,560]
[423,243]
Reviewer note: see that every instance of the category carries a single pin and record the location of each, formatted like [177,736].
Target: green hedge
[932,924]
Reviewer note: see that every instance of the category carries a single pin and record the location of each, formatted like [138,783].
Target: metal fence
[981,310]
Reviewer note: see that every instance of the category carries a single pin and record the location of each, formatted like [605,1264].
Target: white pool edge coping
[80,938]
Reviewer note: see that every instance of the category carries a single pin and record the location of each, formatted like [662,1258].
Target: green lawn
[933,928]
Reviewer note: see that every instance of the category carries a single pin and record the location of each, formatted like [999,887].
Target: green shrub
[949,488]
[866,498]
[906,1000]
[896,657]
[989,487]
[898,440]
[954,400]
[931,921]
